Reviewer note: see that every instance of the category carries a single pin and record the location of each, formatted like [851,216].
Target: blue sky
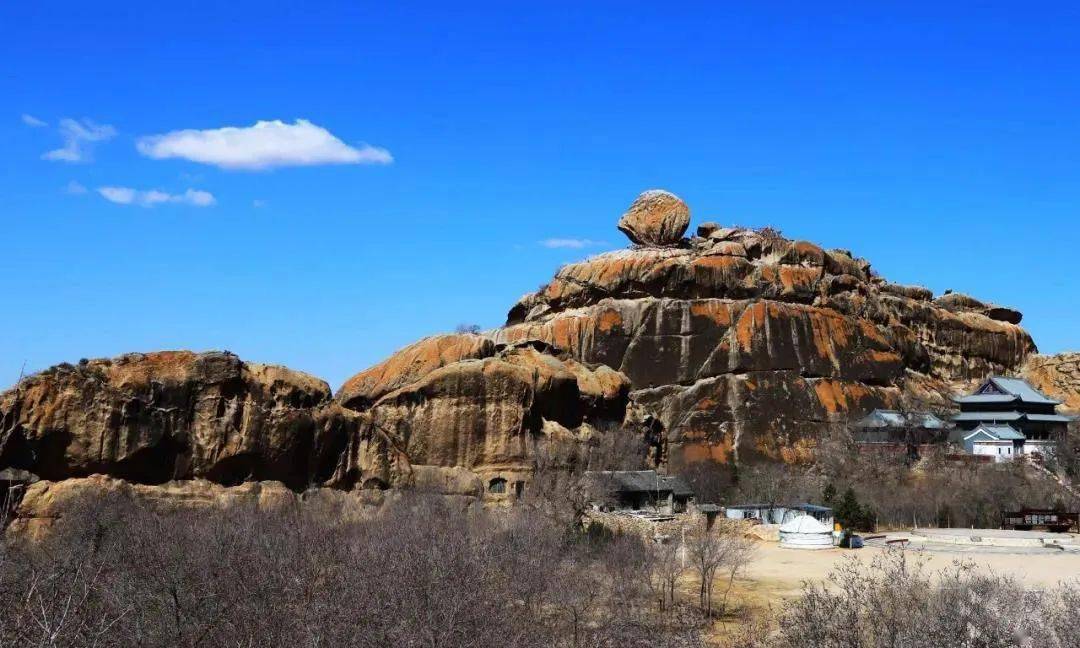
[942,143]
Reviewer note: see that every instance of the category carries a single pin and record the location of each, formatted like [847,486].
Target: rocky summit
[734,345]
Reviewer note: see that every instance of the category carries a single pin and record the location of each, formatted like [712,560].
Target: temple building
[898,432]
[1009,413]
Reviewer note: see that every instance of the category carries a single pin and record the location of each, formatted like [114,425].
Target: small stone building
[639,490]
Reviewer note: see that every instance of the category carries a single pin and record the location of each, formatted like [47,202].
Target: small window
[497,485]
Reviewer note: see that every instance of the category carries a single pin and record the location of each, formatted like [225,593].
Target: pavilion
[1011,403]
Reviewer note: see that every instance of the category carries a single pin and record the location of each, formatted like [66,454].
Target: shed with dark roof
[639,490]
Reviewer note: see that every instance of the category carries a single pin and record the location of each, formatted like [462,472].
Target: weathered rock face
[746,345]
[656,218]
[410,364]
[155,417]
[455,425]
[47,503]
[1057,376]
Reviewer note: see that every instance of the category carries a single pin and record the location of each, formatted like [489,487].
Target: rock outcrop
[746,345]
[656,218]
[46,503]
[454,412]
[449,414]
[1057,376]
[735,345]
[156,417]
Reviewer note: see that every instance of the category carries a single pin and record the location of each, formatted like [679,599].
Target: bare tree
[720,548]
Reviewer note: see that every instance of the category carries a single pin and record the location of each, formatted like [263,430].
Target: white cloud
[152,197]
[74,188]
[265,145]
[574,243]
[258,204]
[78,136]
[32,121]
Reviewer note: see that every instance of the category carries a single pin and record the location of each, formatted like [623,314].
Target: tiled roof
[1013,388]
[987,416]
[1022,390]
[893,418]
[1049,418]
[641,481]
[1002,432]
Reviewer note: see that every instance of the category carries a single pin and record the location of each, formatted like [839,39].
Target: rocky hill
[732,345]
[745,344]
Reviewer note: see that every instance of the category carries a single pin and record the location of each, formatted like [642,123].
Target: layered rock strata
[747,345]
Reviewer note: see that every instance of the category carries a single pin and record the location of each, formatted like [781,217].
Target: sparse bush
[894,601]
[468,328]
[417,573]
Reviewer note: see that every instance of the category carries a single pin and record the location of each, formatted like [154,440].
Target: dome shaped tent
[804,532]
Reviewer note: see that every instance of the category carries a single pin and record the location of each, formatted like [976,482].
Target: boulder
[657,217]
[1003,314]
[707,228]
[410,364]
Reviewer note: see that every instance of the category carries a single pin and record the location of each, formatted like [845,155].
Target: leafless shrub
[420,572]
[720,551]
[895,601]
[468,328]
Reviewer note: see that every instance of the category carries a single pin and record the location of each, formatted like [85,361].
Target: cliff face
[154,417]
[1057,376]
[745,344]
[452,412]
[446,413]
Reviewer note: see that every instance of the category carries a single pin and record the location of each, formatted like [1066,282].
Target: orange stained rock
[884,356]
[749,321]
[608,320]
[717,311]
[718,452]
[869,330]
[413,362]
[807,251]
[834,395]
[792,277]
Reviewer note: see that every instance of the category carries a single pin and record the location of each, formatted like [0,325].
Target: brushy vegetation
[417,573]
[895,602]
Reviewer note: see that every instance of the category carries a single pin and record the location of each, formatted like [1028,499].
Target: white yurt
[804,532]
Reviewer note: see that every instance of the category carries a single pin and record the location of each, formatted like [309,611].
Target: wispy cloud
[574,243]
[265,145]
[258,204]
[153,197]
[32,121]
[79,137]
[74,188]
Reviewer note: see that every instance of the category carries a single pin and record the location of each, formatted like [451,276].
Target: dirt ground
[776,573]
